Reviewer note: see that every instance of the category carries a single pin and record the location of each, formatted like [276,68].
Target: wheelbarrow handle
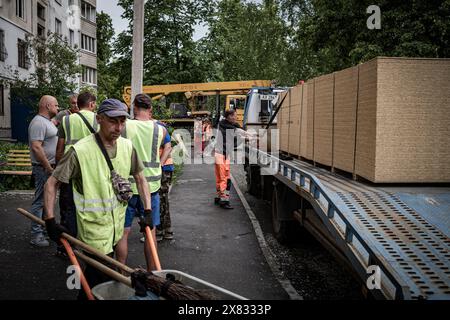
[105,269]
[151,244]
[81,244]
[74,262]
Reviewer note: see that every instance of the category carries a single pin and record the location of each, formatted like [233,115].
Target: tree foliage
[282,40]
[107,80]
[56,71]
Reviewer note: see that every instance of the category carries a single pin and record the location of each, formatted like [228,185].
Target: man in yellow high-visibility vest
[147,137]
[99,205]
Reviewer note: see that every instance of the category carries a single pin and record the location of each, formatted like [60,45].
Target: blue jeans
[40,178]
[136,209]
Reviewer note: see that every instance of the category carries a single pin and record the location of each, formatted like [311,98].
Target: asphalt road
[312,270]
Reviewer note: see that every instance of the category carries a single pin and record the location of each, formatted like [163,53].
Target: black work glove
[147,221]
[54,229]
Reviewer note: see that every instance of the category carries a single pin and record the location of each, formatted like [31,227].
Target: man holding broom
[99,166]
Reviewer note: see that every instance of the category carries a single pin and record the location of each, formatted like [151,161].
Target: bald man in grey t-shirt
[42,137]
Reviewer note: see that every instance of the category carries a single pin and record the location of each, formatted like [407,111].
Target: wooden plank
[19,173]
[19,160]
[19,151]
[18,164]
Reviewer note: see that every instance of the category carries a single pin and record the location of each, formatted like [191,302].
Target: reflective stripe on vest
[146,137]
[100,216]
[75,129]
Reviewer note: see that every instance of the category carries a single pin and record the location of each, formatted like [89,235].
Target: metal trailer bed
[405,231]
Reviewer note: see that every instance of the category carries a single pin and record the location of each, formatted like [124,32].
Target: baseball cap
[113,108]
[142,101]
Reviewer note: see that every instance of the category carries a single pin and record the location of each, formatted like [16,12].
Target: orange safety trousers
[223,182]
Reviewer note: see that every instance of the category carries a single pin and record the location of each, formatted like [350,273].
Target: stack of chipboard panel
[403,121]
[344,128]
[323,119]
[283,122]
[295,117]
[307,122]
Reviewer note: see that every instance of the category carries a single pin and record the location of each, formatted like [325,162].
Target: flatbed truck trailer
[398,233]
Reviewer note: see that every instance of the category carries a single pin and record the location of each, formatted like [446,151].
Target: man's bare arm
[36,147]
[142,187]
[50,188]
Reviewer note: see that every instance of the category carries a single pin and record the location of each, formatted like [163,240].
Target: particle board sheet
[323,119]
[344,128]
[413,120]
[294,120]
[303,106]
[366,121]
[283,123]
[307,128]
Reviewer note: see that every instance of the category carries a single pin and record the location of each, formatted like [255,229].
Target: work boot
[226,205]
[168,234]
[216,201]
[39,240]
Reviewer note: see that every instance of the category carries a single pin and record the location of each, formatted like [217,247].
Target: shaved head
[48,105]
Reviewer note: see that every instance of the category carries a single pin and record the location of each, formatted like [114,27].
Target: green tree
[170,54]
[249,40]
[331,35]
[56,71]
[108,80]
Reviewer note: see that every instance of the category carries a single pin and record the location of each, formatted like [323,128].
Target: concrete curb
[268,254]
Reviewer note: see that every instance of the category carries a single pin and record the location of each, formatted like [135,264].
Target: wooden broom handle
[81,244]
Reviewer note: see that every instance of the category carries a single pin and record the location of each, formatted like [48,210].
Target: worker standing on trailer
[72,129]
[99,166]
[146,136]
[223,150]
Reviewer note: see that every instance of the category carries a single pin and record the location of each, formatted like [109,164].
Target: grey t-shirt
[42,129]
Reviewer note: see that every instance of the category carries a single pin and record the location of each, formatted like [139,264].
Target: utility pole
[137,68]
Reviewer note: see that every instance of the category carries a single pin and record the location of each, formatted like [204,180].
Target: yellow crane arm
[196,87]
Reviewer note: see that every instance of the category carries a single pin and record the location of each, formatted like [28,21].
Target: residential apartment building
[20,20]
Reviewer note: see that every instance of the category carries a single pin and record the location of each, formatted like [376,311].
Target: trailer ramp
[404,231]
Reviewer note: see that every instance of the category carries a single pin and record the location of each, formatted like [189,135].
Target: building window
[3,53]
[23,58]
[88,11]
[41,31]
[71,37]
[41,11]
[2,100]
[20,8]
[89,75]
[58,26]
[87,43]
